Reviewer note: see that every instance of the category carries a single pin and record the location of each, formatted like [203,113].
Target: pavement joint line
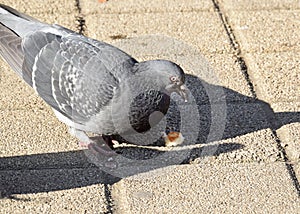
[270,113]
[109,199]
[236,48]
[289,165]
[80,18]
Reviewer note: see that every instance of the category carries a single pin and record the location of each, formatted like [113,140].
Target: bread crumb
[173,139]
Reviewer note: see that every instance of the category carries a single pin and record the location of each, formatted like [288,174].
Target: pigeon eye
[173,78]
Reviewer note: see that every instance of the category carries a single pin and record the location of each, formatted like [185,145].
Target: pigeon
[92,86]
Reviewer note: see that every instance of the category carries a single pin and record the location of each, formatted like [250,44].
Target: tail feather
[17,22]
[10,49]
[14,27]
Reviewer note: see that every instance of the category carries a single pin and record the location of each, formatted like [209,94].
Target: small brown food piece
[173,139]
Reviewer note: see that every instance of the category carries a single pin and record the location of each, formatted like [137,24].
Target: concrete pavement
[241,155]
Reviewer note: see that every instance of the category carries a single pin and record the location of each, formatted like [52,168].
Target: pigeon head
[169,76]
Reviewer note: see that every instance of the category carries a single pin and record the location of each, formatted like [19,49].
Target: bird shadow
[218,108]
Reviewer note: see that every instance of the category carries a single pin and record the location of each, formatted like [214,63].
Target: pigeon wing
[70,74]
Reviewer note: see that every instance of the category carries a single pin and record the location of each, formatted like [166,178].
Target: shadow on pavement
[54,171]
[67,170]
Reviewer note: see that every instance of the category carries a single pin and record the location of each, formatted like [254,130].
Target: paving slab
[218,75]
[286,112]
[286,106]
[259,146]
[276,76]
[247,137]
[43,6]
[290,140]
[241,5]
[218,188]
[16,94]
[156,6]
[52,191]
[33,131]
[48,11]
[201,29]
[287,115]
[230,77]
[253,35]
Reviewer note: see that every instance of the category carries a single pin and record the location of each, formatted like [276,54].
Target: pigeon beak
[183,92]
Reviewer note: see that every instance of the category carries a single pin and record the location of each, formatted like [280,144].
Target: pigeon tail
[10,49]
[14,26]
[17,22]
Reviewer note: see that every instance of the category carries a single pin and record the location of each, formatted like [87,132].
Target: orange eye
[173,78]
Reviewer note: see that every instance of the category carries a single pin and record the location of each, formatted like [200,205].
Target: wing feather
[10,49]
[75,77]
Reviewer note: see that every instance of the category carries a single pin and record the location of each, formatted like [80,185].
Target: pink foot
[83,144]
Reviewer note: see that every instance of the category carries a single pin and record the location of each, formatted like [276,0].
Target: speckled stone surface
[241,152]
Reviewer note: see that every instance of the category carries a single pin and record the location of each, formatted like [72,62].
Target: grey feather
[91,85]
[10,48]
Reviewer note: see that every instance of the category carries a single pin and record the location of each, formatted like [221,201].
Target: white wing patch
[34,70]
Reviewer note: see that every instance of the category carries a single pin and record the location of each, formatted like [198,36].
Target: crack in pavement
[80,18]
